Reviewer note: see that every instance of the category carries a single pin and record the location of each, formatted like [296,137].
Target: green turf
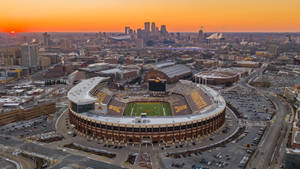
[151,108]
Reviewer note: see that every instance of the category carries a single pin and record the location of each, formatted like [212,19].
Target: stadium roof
[216,36]
[80,94]
[111,71]
[216,74]
[246,62]
[98,64]
[98,67]
[176,70]
[186,48]
[122,37]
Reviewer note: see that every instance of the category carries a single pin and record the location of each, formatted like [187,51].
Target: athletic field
[151,108]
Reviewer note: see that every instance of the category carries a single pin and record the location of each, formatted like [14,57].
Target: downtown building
[30,56]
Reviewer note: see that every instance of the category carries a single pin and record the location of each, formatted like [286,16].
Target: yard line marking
[132,110]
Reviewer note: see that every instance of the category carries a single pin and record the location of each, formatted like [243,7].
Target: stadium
[216,77]
[158,113]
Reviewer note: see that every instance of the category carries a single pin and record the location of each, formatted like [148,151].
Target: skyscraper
[153,27]
[139,43]
[139,33]
[163,29]
[30,55]
[147,27]
[127,30]
[46,39]
[201,34]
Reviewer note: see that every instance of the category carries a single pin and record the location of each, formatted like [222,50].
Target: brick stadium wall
[27,114]
[224,80]
[121,133]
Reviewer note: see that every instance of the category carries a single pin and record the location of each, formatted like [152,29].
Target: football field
[151,108]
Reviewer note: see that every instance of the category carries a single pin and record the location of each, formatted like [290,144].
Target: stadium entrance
[146,140]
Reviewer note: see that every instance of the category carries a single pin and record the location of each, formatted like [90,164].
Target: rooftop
[176,70]
[110,71]
[246,62]
[164,64]
[80,94]
[215,74]
[121,37]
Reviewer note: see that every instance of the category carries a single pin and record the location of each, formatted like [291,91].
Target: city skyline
[179,16]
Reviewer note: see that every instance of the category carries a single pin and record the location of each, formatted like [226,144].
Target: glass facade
[82,108]
[85,108]
[74,106]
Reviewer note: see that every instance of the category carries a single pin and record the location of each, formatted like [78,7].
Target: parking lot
[233,155]
[256,110]
[28,128]
[279,82]
[251,105]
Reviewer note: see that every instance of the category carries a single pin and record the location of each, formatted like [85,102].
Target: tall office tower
[139,33]
[30,55]
[153,27]
[156,29]
[127,30]
[147,27]
[201,34]
[163,30]
[140,43]
[46,39]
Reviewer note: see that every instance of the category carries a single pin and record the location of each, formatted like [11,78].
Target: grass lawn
[151,108]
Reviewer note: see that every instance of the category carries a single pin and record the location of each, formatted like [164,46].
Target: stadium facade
[98,112]
[216,77]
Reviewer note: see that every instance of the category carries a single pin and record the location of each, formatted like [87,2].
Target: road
[271,142]
[271,148]
[23,162]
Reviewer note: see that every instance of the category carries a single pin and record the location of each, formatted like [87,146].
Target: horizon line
[168,32]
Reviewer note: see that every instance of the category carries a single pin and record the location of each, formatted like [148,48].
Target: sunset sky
[178,15]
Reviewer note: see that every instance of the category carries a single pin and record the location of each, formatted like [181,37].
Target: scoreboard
[157,85]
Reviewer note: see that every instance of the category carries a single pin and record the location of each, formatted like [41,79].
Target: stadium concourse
[183,112]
